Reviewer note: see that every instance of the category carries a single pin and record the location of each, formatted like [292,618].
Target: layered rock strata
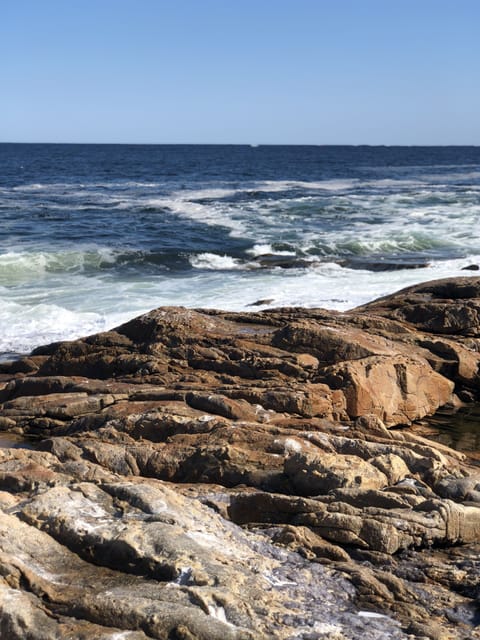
[203,474]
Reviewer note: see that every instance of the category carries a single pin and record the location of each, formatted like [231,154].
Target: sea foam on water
[87,245]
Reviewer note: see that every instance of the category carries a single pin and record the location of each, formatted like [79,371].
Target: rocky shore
[211,475]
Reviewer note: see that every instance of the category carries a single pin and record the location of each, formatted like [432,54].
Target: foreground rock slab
[204,474]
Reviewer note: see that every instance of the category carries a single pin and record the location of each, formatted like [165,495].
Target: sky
[240,71]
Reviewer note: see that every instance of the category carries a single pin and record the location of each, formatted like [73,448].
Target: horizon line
[238,144]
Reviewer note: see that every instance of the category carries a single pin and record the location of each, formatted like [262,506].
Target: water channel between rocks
[13,441]
[459,429]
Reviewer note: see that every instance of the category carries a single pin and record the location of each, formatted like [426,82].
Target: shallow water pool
[458,429]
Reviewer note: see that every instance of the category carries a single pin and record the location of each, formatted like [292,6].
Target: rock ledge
[197,474]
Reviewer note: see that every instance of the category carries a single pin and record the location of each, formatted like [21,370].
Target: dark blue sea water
[94,234]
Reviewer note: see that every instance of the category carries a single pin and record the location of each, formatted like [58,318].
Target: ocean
[92,235]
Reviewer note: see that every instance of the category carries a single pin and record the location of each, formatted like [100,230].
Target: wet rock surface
[201,474]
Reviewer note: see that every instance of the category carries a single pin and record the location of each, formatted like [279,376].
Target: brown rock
[396,389]
[449,306]
[308,543]
[220,475]
[319,473]
[392,466]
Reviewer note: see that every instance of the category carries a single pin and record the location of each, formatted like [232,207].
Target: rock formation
[204,474]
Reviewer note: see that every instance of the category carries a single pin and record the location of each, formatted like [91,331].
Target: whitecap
[264,249]
[214,261]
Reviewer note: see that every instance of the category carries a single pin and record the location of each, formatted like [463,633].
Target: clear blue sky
[240,71]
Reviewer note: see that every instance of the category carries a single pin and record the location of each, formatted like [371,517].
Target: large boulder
[395,388]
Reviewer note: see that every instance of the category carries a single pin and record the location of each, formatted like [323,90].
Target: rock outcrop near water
[210,475]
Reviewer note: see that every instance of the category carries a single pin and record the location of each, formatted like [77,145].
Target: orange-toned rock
[396,389]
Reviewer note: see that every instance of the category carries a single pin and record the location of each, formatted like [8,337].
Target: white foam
[265,249]
[50,308]
[20,266]
[453,220]
[49,295]
[184,204]
[32,187]
[15,267]
[210,194]
[289,185]
[260,249]
[214,261]
[24,327]
[237,218]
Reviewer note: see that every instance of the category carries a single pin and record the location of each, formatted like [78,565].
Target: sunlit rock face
[201,474]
